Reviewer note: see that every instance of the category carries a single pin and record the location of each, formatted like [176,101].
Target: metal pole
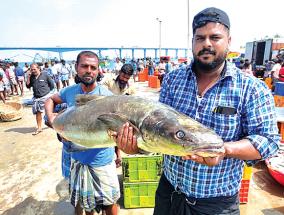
[188,31]
[160,35]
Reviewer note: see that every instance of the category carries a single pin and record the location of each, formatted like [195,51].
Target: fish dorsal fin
[115,121]
[83,99]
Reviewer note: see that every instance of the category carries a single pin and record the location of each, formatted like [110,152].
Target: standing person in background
[247,68]
[55,74]
[161,69]
[275,72]
[64,73]
[150,67]
[5,80]
[168,66]
[26,68]
[117,66]
[2,89]
[42,84]
[20,77]
[135,69]
[268,66]
[2,84]
[141,66]
[120,86]
[93,179]
[47,70]
[238,107]
[10,73]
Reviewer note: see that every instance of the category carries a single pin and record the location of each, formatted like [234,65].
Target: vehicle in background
[259,51]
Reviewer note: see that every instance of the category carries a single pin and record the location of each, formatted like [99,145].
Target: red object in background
[165,58]
[244,191]
[153,81]
[182,60]
[277,175]
[281,74]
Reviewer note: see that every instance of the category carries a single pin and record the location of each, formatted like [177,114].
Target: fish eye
[180,134]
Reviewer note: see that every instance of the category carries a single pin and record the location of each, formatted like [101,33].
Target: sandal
[36,132]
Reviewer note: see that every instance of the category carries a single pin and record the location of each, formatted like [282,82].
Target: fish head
[173,133]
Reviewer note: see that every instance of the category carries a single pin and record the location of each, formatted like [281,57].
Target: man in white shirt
[55,72]
[65,73]
[275,72]
[117,65]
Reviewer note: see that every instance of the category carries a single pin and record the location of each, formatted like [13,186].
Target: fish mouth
[210,150]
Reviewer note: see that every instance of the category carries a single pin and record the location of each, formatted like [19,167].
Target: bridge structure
[179,52]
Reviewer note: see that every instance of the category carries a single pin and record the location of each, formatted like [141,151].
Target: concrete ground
[31,181]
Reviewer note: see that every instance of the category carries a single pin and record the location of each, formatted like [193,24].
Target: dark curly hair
[127,69]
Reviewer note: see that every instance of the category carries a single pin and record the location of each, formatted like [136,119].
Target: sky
[127,23]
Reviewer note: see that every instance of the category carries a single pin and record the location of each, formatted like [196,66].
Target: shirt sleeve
[260,123]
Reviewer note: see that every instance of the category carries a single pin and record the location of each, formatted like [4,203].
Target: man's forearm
[242,149]
[49,107]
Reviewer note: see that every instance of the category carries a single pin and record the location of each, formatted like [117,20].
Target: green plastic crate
[139,195]
[142,168]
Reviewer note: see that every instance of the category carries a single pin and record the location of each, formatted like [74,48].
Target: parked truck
[259,51]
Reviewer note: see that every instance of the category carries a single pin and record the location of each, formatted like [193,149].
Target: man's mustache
[206,51]
[87,76]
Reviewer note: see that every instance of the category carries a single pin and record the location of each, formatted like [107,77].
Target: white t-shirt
[275,70]
[117,66]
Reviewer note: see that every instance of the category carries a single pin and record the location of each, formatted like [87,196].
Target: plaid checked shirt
[255,120]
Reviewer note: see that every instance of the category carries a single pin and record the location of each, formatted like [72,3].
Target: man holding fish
[94,183]
[239,108]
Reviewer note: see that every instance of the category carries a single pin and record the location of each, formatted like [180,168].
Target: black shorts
[168,201]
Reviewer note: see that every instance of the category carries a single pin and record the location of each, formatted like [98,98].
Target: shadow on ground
[31,206]
[23,130]
[264,180]
[274,211]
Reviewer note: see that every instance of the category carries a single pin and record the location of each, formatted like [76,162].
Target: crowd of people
[214,92]
[271,69]
[13,78]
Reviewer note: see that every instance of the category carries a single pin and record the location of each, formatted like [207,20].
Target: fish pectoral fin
[115,121]
[83,99]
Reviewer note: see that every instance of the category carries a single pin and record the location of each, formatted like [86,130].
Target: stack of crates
[141,174]
[244,190]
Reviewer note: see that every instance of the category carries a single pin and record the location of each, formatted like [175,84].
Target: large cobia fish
[159,128]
